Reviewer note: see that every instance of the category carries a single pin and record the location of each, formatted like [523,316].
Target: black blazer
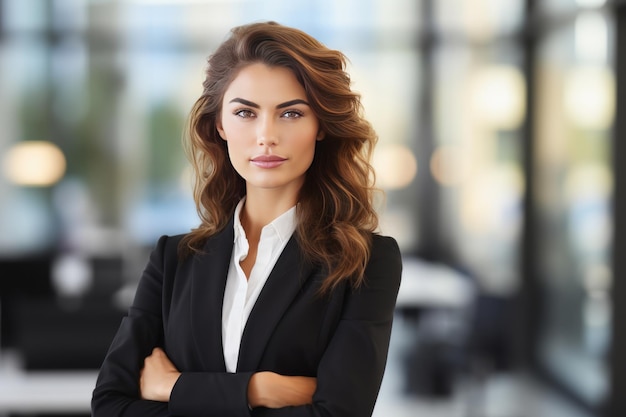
[342,338]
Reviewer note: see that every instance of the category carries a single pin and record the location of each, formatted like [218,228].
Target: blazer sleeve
[351,369]
[117,388]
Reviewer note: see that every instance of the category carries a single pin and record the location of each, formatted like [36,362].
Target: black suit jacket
[342,338]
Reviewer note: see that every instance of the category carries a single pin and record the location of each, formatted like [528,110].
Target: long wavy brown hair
[335,214]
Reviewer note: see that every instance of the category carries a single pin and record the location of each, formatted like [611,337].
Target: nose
[267,134]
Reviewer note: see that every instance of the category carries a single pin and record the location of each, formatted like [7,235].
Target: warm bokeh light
[590,97]
[395,166]
[34,163]
[498,94]
[448,165]
[490,198]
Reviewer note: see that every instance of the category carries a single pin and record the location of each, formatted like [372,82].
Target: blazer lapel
[209,273]
[283,284]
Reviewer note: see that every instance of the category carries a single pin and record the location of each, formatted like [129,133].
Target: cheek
[308,140]
[227,129]
[236,136]
[308,152]
[235,152]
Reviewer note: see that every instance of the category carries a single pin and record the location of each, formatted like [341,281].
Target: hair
[335,212]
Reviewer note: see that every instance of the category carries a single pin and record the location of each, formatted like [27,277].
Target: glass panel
[477,159]
[25,213]
[478,19]
[24,15]
[390,106]
[556,7]
[575,110]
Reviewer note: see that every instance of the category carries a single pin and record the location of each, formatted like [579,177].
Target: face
[269,127]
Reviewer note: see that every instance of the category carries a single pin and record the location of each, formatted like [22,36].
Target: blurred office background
[501,127]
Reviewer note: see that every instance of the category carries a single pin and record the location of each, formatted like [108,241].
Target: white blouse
[241,293]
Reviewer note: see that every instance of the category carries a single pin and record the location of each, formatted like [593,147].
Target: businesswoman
[280,303]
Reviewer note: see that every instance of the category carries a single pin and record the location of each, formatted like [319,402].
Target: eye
[292,114]
[244,113]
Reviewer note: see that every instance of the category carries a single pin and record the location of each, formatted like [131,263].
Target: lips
[268,161]
[267,158]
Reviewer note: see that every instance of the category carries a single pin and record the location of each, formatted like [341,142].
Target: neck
[261,208]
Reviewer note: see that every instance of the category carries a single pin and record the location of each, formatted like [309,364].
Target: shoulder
[385,260]
[165,254]
[167,245]
[376,296]
[174,248]
[385,249]
[382,242]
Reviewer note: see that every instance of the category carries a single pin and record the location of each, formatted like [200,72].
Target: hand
[272,390]
[158,376]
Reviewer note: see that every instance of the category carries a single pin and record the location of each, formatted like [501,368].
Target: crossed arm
[265,389]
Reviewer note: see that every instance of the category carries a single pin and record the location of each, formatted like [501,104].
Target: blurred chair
[436,299]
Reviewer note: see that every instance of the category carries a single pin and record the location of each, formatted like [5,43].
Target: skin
[271,133]
[265,115]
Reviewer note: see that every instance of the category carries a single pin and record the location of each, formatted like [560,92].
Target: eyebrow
[278,106]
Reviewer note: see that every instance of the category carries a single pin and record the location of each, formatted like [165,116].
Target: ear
[320,135]
[220,129]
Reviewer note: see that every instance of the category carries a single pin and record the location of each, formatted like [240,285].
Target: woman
[281,302]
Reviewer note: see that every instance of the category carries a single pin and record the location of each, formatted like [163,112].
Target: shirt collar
[284,225]
[239,232]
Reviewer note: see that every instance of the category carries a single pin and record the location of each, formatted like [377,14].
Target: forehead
[261,82]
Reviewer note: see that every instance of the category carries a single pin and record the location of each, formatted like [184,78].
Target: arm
[351,369]
[265,389]
[158,377]
[117,390]
[272,390]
